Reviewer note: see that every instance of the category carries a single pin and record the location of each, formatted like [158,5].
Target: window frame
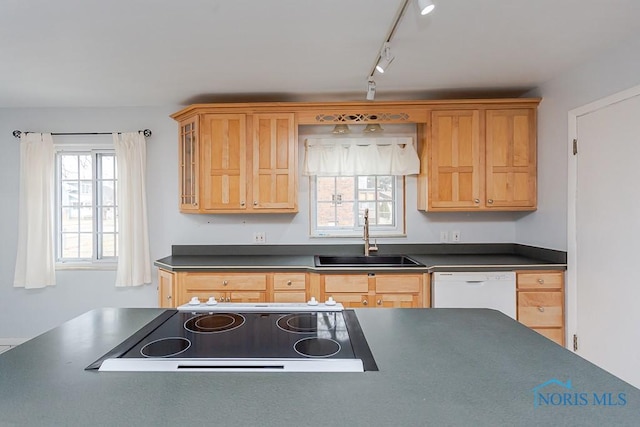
[398,230]
[97,261]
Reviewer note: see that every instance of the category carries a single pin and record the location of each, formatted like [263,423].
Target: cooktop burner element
[214,323]
[317,347]
[240,338]
[165,347]
[299,323]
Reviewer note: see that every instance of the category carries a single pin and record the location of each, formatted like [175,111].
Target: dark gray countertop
[437,367]
[467,257]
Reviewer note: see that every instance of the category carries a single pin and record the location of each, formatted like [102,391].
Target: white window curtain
[360,156]
[134,263]
[35,260]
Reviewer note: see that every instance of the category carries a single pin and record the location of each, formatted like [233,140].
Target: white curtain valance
[360,156]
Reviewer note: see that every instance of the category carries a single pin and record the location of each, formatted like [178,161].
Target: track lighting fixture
[371,89]
[426,6]
[386,58]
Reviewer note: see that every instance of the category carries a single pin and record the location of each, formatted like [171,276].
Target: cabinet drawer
[289,281]
[540,280]
[224,282]
[540,308]
[400,283]
[352,300]
[289,297]
[554,334]
[346,283]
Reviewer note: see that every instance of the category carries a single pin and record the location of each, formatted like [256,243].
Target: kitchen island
[437,367]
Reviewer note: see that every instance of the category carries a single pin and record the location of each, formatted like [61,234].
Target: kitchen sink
[365,261]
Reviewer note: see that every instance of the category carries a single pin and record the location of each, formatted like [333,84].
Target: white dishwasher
[495,290]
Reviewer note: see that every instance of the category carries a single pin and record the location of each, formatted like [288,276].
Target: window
[338,205]
[86,208]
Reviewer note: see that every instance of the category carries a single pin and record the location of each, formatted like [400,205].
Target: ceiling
[85,53]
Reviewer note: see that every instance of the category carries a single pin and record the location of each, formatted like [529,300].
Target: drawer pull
[541,281]
[289,283]
[365,302]
[490,201]
[225,283]
[541,309]
[379,302]
[476,201]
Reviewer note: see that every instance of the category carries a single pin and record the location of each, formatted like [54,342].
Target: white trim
[571,315]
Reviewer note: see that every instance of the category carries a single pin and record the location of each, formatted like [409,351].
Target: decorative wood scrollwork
[361,117]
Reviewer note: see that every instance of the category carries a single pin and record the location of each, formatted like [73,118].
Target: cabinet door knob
[541,309]
[225,283]
[168,296]
[476,200]
[365,302]
[289,283]
[379,302]
[255,203]
[242,203]
[490,201]
[541,281]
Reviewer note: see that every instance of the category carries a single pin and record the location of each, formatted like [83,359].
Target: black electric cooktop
[234,336]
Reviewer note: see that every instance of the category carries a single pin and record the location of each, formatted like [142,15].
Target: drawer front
[225,282]
[397,301]
[401,283]
[540,308]
[289,281]
[554,334]
[540,280]
[346,283]
[289,297]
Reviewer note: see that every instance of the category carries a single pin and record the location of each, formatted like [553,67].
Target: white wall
[605,74]
[26,313]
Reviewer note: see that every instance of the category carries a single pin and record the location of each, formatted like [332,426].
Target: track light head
[426,6]
[371,89]
[386,58]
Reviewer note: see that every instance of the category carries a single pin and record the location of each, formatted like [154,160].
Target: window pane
[372,213]
[385,211]
[325,215]
[107,216]
[69,220]
[325,188]
[86,219]
[107,166]
[69,193]
[345,187]
[345,214]
[69,166]
[385,188]
[85,166]
[107,193]
[86,193]
[69,245]
[86,245]
[108,245]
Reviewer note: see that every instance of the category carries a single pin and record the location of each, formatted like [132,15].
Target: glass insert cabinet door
[188,153]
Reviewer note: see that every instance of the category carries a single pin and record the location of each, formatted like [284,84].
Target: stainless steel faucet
[367,246]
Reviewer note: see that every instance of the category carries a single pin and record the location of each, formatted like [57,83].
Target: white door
[607,237]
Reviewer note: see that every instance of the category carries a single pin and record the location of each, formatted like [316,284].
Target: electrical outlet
[260,238]
[455,236]
[444,237]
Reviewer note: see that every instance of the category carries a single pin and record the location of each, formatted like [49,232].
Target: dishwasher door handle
[475,282]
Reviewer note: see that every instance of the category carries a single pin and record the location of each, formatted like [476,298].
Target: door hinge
[575,342]
[575,147]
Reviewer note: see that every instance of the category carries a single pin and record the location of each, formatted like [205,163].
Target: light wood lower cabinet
[376,290]
[177,288]
[540,304]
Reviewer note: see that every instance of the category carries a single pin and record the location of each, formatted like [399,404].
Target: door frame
[572,185]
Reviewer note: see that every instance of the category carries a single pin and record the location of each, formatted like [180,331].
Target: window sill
[86,266]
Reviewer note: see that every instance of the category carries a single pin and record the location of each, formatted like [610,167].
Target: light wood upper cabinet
[224,162]
[479,159]
[511,158]
[238,163]
[274,162]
